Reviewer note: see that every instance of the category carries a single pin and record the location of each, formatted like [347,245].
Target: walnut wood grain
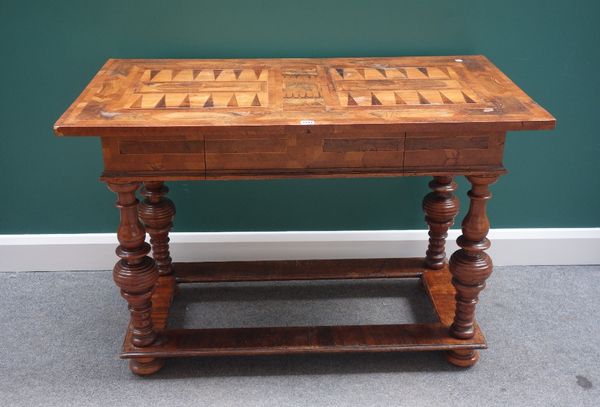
[282,270]
[142,176]
[183,97]
[162,299]
[448,150]
[319,339]
[156,213]
[438,284]
[174,120]
[135,274]
[440,207]
[301,153]
[470,266]
[291,340]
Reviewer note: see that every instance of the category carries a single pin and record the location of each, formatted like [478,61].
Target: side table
[171,120]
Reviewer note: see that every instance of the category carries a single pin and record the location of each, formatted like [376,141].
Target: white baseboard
[51,252]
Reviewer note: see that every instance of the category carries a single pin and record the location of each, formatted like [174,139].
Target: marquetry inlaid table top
[129,96]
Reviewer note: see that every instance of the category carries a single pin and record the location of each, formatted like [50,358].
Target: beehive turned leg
[156,212]
[135,274]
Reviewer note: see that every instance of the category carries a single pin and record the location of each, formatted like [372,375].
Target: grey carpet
[60,333]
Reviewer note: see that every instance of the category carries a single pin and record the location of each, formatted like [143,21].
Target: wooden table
[169,120]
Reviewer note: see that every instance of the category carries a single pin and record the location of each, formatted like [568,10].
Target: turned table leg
[470,266]
[156,213]
[440,207]
[135,274]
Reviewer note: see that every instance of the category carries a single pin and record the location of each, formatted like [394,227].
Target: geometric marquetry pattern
[395,86]
[392,73]
[301,87]
[390,98]
[199,89]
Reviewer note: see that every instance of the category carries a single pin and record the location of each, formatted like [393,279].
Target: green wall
[50,49]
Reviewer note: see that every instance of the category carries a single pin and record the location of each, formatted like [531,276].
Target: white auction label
[307,122]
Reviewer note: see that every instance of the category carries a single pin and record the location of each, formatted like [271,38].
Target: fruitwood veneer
[169,120]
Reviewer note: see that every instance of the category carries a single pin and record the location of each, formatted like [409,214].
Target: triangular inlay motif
[232,102]
[374,100]
[185,103]
[399,100]
[137,104]
[161,103]
[467,98]
[444,70]
[446,100]
[153,73]
[423,100]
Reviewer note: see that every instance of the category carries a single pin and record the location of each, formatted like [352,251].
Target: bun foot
[462,357]
[146,366]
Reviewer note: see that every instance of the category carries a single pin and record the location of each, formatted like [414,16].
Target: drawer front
[144,155]
[453,151]
[298,153]
[302,151]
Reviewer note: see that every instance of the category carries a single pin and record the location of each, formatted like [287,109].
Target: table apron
[301,154]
